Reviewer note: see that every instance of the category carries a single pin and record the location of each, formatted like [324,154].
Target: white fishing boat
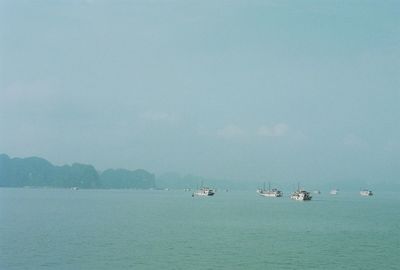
[334,191]
[204,191]
[366,192]
[269,192]
[301,195]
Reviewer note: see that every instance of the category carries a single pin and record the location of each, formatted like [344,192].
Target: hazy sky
[305,90]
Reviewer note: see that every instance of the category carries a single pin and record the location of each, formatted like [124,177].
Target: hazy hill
[121,178]
[38,172]
[176,181]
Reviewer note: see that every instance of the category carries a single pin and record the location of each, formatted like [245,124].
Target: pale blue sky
[282,90]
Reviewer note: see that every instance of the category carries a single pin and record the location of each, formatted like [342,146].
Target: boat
[269,192]
[317,192]
[366,192]
[204,191]
[301,195]
[334,191]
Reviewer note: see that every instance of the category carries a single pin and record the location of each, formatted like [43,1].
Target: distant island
[38,172]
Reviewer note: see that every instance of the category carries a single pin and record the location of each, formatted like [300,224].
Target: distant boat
[301,195]
[269,192]
[75,188]
[204,191]
[366,192]
[334,191]
[317,192]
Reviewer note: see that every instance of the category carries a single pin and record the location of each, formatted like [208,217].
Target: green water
[123,229]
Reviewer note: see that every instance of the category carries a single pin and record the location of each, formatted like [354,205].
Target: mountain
[176,181]
[38,172]
[121,178]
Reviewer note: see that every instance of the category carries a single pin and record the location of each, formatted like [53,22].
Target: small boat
[366,192]
[204,191]
[301,195]
[317,192]
[269,192]
[334,191]
[74,188]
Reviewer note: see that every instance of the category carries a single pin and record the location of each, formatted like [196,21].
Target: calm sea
[127,229]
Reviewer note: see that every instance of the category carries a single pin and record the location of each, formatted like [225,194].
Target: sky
[239,90]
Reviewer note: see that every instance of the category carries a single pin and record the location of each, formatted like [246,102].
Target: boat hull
[270,194]
[300,198]
[203,194]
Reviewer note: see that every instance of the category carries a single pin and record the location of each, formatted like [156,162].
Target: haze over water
[233,90]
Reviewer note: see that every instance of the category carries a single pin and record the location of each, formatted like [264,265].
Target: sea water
[128,229]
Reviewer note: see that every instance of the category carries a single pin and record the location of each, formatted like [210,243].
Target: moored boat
[301,195]
[204,191]
[366,192]
[334,191]
[269,192]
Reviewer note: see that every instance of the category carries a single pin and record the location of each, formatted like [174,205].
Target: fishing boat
[366,192]
[334,191]
[204,191]
[269,192]
[301,195]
